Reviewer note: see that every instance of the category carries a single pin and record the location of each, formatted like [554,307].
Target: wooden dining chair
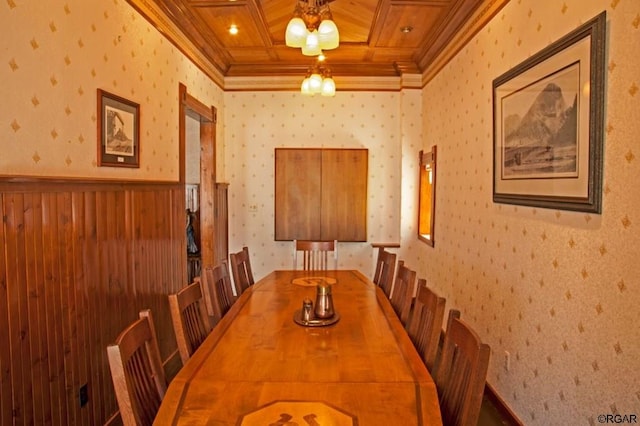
[453,314]
[220,289]
[402,292]
[461,373]
[385,267]
[316,254]
[190,318]
[136,370]
[241,270]
[425,325]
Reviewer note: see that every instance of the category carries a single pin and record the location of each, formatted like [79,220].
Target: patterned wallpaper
[55,55]
[257,123]
[558,290]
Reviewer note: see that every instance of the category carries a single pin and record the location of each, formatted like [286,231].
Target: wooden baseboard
[507,414]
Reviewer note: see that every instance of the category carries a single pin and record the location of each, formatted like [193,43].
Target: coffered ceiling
[372,43]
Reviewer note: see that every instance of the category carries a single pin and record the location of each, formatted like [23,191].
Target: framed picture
[548,119]
[118,131]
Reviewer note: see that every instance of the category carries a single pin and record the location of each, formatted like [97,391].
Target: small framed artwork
[118,131]
[548,122]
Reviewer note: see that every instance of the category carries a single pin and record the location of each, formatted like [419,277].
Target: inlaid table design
[259,367]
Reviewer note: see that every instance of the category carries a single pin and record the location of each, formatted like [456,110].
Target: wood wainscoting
[79,260]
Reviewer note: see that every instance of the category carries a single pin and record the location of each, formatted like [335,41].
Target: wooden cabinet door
[298,194]
[344,194]
[321,194]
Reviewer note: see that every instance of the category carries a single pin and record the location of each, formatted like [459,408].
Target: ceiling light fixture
[312,28]
[318,80]
[233,29]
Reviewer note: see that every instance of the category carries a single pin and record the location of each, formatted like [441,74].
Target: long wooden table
[258,367]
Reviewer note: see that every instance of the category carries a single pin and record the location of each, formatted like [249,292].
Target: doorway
[197,141]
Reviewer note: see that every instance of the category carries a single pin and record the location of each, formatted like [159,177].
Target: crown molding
[161,22]
[292,83]
[411,81]
[478,20]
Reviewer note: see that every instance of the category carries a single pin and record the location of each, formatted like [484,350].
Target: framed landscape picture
[548,118]
[118,131]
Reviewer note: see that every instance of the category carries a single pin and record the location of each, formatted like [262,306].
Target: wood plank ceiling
[371,41]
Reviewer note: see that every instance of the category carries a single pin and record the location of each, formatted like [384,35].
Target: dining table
[262,365]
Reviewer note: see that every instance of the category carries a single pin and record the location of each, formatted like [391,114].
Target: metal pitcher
[324,302]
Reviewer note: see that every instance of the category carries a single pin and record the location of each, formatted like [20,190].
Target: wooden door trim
[189,105]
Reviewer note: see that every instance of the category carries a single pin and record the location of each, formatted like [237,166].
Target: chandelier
[312,28]
[318,80]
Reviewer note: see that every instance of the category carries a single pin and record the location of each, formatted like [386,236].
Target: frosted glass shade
[312,44]
[328,87]
[305,88]
[296,33]
[315,83]
[328,35]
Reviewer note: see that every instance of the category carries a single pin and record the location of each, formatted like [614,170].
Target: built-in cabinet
[321,194]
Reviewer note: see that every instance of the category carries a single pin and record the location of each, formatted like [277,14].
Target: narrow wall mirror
[427,196]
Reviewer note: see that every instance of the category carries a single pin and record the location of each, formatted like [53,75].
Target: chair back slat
[189,317]
[195,328]
[137,373]
[148,400]
[316,255]
[241,270]
[425,325]
[218,282]
[385,268]
[402,292]
[461,373]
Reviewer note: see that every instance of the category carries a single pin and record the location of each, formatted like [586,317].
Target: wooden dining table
[260,367]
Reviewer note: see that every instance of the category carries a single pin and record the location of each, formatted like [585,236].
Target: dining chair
[190,319]
[136,370]
[461,373]
[315,254]
[218,283]
[402,292]
[425,325]
[241,270]
[385,267]
[453,313]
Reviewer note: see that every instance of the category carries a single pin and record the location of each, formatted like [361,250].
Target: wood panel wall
[78,261]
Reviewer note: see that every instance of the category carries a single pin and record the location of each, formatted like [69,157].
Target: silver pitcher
[324,302]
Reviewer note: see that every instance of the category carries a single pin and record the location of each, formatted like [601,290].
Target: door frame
[207,116]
